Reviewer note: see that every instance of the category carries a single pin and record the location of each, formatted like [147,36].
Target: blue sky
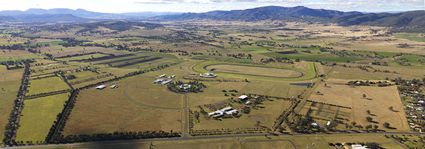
[208,5]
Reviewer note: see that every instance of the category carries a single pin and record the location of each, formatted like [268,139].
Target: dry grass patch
[136,105]
[378,101]
[255,71]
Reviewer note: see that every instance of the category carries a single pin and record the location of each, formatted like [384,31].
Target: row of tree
[13,125]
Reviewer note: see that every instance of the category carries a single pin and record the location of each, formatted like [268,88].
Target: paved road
[186,117]
[144,141]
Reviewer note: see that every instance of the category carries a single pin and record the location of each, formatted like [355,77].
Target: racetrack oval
[254,71]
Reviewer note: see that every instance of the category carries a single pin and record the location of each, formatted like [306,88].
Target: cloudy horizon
[122,6]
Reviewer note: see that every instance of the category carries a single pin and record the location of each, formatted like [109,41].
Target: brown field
[382,98]
[136,105]
[353,73]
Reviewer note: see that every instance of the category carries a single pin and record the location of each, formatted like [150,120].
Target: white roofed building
[243,97]
[100,87]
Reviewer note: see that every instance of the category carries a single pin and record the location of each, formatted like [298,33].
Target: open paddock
[60,51]
[52,68]
[134,62]
[259,119]
[16,55]
[46,85]
[255,71]
[378,101]
[137,105]
[10,81]
[83,57]
[38,116]
[122,59]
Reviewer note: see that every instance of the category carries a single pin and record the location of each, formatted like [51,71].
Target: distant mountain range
[406,21]
[70,15]
[299,13]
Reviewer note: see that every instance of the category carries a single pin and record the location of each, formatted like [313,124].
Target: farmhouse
[243,97]
[208,75]
[100,87]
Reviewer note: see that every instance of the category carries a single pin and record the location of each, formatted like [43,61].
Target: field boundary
[13,125]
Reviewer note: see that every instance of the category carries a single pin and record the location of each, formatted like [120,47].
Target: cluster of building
[208,75]
[222,112]
[415,109]
[164,79]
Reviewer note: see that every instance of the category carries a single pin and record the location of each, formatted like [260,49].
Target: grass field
[379,102]
[97,55]
[138,105]
[46,85]
[10,80]
[307,69]
[38,116]
[410,36]
[411,141]
[266,115]
[16,55]
[255,71]
[246,56]
[326,57]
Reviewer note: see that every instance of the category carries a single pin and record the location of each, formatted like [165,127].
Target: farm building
[358,146]
[166,81]
[100,87]
[222,112]
[162,81]
[114,86]
[208,75]
[162,76]
[243,97]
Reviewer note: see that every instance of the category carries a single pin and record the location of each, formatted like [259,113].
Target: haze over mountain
[79,15]
[412,20]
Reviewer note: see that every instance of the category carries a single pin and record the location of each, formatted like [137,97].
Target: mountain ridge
[403,21]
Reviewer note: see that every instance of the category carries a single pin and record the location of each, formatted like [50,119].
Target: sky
[120,6]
